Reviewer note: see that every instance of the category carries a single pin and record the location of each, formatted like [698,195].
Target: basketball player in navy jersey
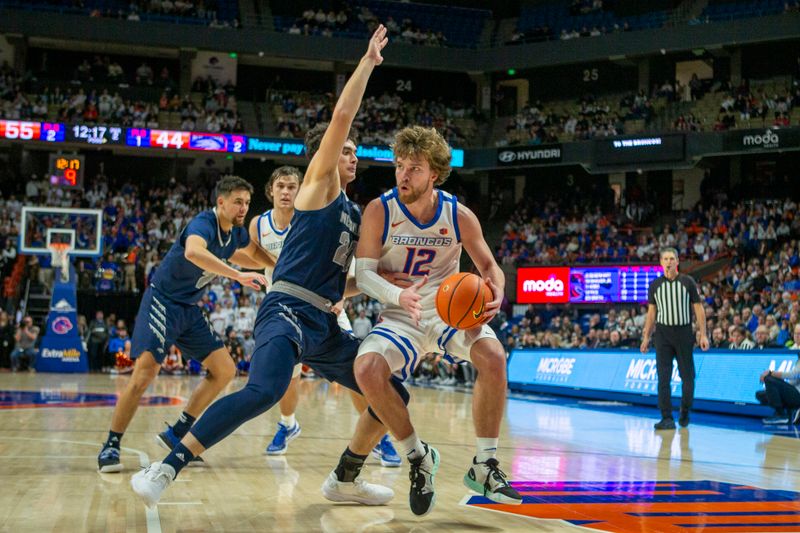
[295,322]
[420,230]
[270,230]
[168,313]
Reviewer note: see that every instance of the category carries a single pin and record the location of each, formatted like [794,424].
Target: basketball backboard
[81,229]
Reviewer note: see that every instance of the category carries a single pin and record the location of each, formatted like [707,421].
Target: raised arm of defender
[321,184]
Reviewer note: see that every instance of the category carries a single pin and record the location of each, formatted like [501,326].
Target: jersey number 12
[417,259]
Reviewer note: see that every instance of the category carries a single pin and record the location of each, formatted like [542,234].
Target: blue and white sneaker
[108,460]
[168,440]
[385,451]
[282,438]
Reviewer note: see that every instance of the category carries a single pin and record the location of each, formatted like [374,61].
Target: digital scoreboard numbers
[634,282]
[52,132]
[66,170]
[145,138]
[95,134]
[21,130]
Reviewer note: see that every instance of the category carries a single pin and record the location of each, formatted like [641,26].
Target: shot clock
[66,170]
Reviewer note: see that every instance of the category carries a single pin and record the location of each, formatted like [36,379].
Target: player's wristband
[372,284]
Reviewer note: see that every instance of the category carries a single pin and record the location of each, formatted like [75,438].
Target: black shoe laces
[495,472]
[417,474]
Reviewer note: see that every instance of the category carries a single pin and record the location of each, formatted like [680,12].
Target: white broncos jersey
[270,239]
[416,249]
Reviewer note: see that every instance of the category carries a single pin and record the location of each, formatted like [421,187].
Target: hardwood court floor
[595,468]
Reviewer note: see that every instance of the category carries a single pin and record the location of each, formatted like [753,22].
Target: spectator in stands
[173,362]
[117,346]
[783,394]
[762,339]
[718,339]
[740,339]
[7,341]
[96,342]
[362,325]
[24,354]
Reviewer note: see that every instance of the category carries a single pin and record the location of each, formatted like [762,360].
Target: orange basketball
[461,299]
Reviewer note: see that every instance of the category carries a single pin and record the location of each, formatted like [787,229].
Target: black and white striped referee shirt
[673,300]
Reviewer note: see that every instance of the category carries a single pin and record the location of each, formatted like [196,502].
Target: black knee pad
[401,390]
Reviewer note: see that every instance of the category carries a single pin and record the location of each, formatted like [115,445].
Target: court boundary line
[153,520]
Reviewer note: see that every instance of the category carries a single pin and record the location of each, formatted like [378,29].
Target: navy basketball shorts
[160,323]
[321,342]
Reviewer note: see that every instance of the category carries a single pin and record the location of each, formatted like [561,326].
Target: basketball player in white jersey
[420,230]
[269,230]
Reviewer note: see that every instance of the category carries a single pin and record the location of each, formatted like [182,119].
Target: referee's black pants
[674,342]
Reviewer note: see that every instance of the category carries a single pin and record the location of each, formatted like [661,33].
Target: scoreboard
[195,141]
[586,284]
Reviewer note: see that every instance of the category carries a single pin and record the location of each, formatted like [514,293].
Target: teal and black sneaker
[490,482]
[422,496]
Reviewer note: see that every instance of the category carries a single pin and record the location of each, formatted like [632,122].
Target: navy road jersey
[180,280]
[317,252]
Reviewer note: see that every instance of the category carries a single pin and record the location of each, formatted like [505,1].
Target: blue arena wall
[726,381]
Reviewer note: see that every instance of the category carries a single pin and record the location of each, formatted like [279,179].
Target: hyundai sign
[529,155]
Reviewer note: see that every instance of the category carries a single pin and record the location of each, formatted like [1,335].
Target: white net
[59,258]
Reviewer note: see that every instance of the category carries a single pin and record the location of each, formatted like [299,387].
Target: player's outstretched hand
[410,298]
[376,44]
[254,280]
[338,307]
[398,279]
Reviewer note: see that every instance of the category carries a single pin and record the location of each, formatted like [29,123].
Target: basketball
[461,299]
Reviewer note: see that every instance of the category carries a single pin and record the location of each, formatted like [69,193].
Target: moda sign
[527,156]
[762,139]
[768,139]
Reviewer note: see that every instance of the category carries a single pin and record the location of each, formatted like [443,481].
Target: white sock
[412,447]
[486,449]
[288,421]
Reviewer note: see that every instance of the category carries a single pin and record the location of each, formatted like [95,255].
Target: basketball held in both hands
[461,300]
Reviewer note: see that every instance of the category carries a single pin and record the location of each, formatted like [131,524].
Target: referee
[668,307]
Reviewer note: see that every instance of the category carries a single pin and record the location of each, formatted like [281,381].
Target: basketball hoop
[59,258]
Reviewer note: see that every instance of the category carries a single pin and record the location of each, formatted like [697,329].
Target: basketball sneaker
[151,482]
[168,440]
[358,491]
[490,482]
[422,497]
[108,460]
[385,451]
[282,438]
